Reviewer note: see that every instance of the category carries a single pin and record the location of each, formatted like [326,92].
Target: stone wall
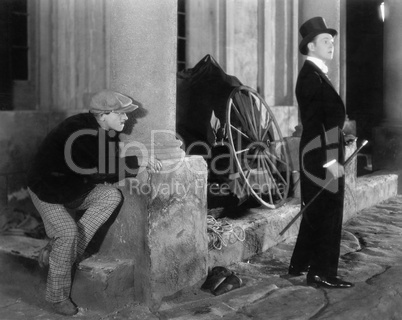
[21,133]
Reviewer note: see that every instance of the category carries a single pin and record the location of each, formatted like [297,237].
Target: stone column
[143,40]
[387,149]
[161,226]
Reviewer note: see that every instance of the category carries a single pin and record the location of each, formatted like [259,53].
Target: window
[19,40]
[181,35]
[13,48]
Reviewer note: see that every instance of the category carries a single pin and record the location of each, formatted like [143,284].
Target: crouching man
[74,169]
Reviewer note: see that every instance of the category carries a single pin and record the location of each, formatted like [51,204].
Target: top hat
[108,101]
[312,28]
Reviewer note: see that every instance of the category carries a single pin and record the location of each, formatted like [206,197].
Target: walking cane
[352,156]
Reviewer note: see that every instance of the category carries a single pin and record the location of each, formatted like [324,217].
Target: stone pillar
[387,149]
[143,39]
[161,226]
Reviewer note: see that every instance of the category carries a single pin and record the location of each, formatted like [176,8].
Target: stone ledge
[110,281]
[382,184]
[21,246]
[262,225]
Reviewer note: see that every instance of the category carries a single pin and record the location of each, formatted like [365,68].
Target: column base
[161,149]
[161,227]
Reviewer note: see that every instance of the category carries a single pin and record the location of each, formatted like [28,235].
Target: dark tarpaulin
[202,91]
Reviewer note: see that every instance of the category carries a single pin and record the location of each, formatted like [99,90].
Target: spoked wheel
[258,147]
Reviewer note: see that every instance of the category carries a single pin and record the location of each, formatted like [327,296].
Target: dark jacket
[322,115]
[73,158]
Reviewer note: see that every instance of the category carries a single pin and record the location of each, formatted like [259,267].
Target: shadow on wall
[138,113]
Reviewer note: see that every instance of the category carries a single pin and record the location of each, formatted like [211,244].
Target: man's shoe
[230,283]
[296,272]
[44,254]
[215,277]
[328,282]
[66,308]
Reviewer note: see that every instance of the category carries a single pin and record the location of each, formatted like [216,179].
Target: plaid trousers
[71,237]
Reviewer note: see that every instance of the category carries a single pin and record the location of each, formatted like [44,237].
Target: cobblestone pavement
[371,257]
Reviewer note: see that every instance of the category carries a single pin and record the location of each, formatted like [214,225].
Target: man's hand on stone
[154,165]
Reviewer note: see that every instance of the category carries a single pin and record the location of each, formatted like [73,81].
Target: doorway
[364,65]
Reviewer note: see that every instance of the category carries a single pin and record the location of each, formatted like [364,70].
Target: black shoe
[230,283]
[328,282]
[215,278]
[295,271]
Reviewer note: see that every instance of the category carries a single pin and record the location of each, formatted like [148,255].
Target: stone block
[262,227]
[110,283]
[374,188]
[162,227]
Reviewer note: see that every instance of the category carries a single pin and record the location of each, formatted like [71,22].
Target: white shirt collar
[319,63]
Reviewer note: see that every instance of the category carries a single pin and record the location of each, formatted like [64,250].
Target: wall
[334,13]
[21,132]
[74,59]
[68,62]
[256,41]
[73,56]
[364,96]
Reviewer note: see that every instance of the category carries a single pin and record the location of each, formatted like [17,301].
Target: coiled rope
[221,233]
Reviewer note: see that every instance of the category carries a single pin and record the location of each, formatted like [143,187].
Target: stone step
[109,282]
[100,284]
[262,225]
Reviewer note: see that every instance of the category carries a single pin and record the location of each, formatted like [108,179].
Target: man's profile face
[115,120]
[322,47]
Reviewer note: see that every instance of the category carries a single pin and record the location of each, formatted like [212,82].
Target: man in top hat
[73,169]
[322,115]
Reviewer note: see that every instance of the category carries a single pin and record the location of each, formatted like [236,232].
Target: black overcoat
[322,114]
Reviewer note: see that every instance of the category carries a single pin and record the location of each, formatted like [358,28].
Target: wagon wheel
[258,147]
